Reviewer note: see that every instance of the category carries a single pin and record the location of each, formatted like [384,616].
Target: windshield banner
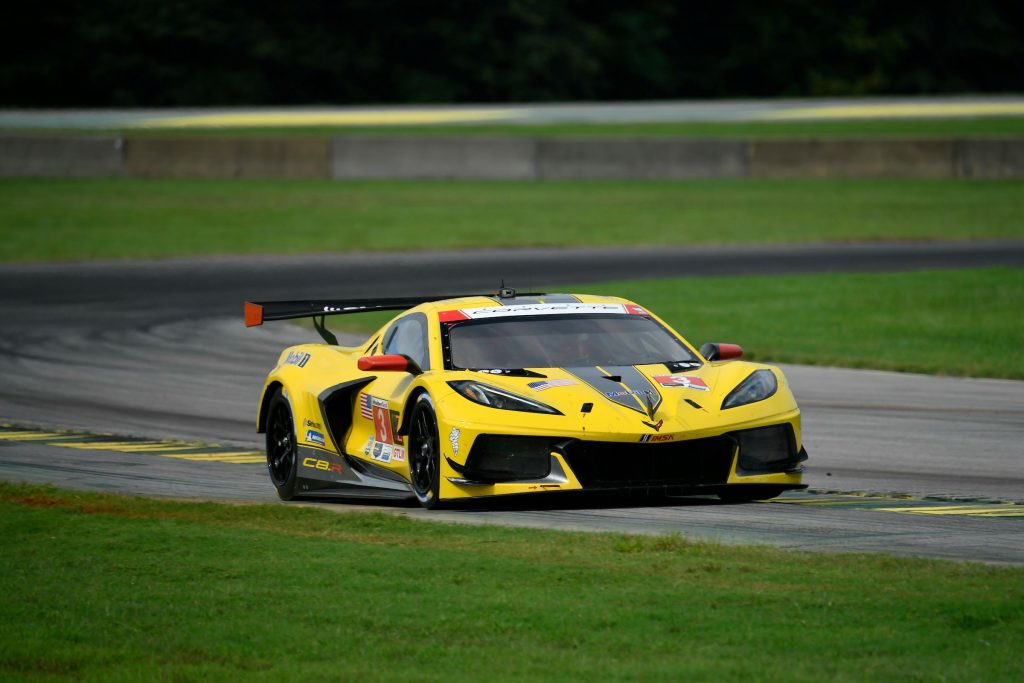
[540,309]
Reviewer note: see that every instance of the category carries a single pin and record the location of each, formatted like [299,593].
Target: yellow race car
[473,396]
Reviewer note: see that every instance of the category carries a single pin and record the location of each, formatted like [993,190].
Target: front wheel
[281,446]
[424,453]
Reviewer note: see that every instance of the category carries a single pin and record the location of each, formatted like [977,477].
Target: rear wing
[259,312]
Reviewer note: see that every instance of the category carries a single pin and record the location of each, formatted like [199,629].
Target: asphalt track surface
[158,350]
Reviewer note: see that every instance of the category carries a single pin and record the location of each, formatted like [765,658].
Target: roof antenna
[505,292]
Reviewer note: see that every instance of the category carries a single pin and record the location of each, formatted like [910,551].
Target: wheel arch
[268,393]
[414,395]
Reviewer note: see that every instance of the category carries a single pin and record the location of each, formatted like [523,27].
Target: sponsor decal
[381,424]
[454,438]
[382,445]
[383,453]
[620,394]
[688,381]
[309,423]
[313,436]
[395,436]
[297,358]
[653,438]
[367,402]
[317,464]
[385,421]
[549,383]
[656,426]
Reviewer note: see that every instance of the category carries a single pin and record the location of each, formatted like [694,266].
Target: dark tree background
[217,52]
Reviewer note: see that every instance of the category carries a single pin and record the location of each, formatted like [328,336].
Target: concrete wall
[204,157]
[861,158]
[510,158]
[568,158]
[990,158]
[60,157]
[506,158]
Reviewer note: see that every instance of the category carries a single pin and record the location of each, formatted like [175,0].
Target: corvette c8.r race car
[477,396]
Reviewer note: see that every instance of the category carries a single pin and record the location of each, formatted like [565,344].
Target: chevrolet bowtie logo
[656,426]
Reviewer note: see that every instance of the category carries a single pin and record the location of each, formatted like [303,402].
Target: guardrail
[509,158]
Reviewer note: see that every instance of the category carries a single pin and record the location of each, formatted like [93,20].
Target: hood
[661,398]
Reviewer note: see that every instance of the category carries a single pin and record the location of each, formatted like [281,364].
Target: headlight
[760,385]
[493,397]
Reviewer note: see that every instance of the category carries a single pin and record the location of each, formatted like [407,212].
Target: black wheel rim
[280,444]
[423,459]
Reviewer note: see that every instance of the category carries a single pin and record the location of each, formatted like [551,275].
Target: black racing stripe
[636,382]
[627,392]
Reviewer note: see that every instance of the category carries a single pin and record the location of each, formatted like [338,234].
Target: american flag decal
[548,383]
[365,406]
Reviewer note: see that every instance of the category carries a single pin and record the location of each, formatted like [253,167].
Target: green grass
[105,588]
[912,128]
[946,322]
[124,218]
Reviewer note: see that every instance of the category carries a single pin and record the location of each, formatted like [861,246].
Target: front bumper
[504,464]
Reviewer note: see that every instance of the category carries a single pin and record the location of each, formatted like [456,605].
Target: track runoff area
[885,475]
[816,519]
[206,452]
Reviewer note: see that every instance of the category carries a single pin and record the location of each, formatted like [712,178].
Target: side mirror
[715,352]
[389,363]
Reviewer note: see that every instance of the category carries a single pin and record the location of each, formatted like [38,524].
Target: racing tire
[424,453]
[748,493]
[282,446]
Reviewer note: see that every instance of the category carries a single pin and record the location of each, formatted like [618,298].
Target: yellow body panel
[305,372]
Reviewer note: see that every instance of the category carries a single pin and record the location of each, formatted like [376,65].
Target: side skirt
[322,472]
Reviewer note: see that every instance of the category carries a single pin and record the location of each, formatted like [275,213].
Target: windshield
[563,341]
